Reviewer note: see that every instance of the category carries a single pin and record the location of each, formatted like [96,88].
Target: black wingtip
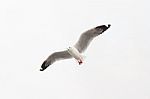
[109,25]
[40,69]
[43,67]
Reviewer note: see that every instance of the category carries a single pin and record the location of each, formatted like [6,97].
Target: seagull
[76,50]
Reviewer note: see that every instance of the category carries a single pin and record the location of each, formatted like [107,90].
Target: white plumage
[76,54]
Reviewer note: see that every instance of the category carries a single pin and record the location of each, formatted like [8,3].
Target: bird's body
[77,49]
[76,54]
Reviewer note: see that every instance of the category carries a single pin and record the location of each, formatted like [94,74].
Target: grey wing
[55,57]
[88,36]
[84,41]
[59,56]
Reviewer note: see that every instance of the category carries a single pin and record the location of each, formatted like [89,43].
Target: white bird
[77,49]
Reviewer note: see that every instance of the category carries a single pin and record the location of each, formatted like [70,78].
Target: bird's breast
[74,53]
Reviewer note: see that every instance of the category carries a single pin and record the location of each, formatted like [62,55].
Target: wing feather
[55,57]
[88,36]
[84,41]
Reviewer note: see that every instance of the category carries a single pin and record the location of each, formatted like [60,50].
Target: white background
[117,62]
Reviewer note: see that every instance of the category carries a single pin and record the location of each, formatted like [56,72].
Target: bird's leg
[80,62]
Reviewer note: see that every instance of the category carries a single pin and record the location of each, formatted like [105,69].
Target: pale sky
[117,62]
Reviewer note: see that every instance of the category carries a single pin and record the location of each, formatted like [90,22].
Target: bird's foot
[80,62]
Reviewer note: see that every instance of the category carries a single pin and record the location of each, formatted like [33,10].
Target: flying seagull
[79,47]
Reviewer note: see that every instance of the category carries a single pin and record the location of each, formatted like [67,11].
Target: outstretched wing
[84,41]
[59,56]
[55,57]
[88,36]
